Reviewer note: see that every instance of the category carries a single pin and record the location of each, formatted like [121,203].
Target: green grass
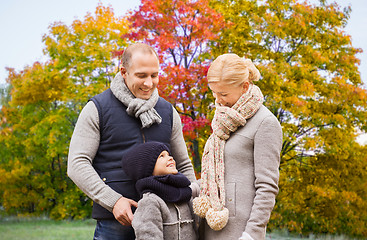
[45,229]
[284,235]
[32,229]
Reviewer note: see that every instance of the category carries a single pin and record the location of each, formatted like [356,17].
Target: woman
[241,158]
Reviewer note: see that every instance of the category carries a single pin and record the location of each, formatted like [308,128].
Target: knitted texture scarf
[172,188]
[211,202]
[136,107]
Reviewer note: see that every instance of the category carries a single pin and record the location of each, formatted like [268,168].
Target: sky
[24,22]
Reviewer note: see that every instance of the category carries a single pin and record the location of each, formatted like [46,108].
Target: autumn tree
[180,31]
[37,121]
[311,82]
[327,194]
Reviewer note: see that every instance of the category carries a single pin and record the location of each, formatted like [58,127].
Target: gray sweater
[156,220]
[252,157]
[84,145]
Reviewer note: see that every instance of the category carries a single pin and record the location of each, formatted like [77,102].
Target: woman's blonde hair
[230,69]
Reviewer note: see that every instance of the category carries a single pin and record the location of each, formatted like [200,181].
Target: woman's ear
[245,87]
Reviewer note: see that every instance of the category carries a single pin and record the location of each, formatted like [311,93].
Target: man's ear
[123,71]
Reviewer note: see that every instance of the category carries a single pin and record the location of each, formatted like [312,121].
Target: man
[128,113]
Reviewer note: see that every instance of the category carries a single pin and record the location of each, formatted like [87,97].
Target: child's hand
[195,188]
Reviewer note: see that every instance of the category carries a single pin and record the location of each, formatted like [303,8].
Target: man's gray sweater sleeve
[179,150]
[83,147]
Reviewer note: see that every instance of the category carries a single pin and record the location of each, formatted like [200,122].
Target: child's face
[165,165]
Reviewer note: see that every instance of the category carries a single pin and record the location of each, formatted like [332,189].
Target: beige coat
[252,157]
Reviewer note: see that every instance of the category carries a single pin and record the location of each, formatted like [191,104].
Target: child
[164,210]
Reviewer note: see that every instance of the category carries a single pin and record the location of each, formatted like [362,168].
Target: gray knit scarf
[136,107]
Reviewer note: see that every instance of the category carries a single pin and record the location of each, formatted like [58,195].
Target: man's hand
[122,210]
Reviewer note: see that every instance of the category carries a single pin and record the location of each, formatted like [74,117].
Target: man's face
[142,75]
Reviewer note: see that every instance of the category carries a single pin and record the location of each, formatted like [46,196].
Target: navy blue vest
[119,132]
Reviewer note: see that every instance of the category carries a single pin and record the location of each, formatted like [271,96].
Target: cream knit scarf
[211,202]
[136,107]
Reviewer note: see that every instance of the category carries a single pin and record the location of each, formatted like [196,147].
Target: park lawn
[285,235]
[46,230]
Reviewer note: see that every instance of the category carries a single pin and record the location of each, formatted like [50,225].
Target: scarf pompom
[200,206]
[217,220]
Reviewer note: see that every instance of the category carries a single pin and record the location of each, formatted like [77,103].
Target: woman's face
[227,95]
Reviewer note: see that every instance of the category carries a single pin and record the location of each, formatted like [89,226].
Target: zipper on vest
[142,134]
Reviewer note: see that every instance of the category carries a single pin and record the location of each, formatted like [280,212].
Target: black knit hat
[139,161]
